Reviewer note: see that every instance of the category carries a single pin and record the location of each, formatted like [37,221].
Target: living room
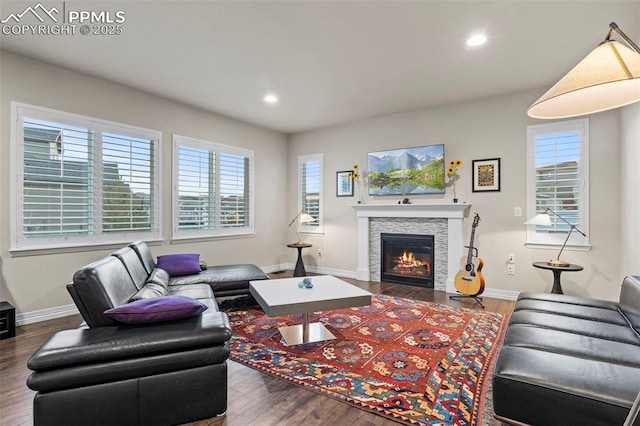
[482,126]
[492,127]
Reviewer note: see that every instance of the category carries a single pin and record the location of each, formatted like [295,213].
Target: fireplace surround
[443,220]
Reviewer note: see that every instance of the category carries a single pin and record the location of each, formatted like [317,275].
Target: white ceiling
[330,62]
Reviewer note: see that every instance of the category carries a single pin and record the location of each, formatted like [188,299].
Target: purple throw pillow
[180,264]
[156,309]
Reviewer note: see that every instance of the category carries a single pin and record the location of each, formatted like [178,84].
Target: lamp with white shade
[543,219]
[301,217]
[609,77]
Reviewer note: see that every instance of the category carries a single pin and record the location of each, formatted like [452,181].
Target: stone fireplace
[443,221]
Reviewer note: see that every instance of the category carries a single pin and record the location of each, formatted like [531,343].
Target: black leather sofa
[108,373]
[570,360]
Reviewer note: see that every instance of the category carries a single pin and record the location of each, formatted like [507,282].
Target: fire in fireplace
[407,259]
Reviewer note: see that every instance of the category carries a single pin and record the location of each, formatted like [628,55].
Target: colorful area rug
[415,362]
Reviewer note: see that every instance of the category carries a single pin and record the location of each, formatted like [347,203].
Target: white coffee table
[280,297]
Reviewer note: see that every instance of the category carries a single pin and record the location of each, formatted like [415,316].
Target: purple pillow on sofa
[156,309]
[180,264]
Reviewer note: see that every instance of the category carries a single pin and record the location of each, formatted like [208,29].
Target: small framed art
[344,183]
[486,175]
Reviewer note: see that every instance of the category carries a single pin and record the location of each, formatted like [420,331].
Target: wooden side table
[299,271]
[557,270]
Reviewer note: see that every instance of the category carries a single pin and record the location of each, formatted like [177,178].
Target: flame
[407,263]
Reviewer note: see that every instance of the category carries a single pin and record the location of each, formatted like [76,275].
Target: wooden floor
[254,398]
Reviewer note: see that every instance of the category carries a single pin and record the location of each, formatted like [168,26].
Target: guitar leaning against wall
[469,280]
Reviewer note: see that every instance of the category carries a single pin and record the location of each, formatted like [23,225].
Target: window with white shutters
[127,182]
[310,191]
[213,189]
[81,181]
[558,171]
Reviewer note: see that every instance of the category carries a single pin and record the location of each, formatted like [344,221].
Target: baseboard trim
[330,271]
[501,294]
[276,268]
[46,314]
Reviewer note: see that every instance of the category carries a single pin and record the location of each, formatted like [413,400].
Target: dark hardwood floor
[253,399]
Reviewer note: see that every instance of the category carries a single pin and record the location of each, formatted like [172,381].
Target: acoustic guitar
[469,280]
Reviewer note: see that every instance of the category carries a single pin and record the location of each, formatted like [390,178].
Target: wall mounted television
[407,171]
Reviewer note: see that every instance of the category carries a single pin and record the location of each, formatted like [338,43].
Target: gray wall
[486,128]
[37,283]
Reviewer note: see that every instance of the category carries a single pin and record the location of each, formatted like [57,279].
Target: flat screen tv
[404,171]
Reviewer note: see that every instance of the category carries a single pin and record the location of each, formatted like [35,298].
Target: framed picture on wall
[344,183]
[486,175]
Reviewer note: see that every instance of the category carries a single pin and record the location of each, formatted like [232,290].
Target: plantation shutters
[57,179]
[127,182]
[213,189]
[310,190]
[196,192]
[234,191]
[80,180]
[558,179]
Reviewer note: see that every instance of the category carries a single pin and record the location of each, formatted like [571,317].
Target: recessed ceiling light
[271,99]
[476,40]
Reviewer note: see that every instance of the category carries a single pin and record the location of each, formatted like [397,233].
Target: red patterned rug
[411,361]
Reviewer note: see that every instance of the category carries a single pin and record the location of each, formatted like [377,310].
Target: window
[213,189]
[558,178]
[81,181]
[310,191]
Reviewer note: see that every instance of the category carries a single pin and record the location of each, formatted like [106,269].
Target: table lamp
[543,219]
[303,218]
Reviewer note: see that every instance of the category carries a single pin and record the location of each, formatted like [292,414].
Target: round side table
[299,271]
[557,270]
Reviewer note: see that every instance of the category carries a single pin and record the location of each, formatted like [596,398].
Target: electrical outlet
[511,258]
[511,269]
[517,211]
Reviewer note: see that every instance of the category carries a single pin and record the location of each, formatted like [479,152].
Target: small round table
[299,271]
[557,270]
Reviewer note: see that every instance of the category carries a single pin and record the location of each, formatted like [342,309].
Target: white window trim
[41,245]
[302,227]
[217,232]
[576,241]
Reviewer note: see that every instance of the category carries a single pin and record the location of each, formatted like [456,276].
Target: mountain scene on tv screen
[407,171]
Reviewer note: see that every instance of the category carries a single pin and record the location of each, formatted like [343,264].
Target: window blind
[213,190]
[311,184]
[557,178]
[196,192]
[57,181]
[127,182]
[234,191]
[81,181]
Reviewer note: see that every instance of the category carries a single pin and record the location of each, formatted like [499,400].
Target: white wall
[486,128]
[35,283]
[629,184]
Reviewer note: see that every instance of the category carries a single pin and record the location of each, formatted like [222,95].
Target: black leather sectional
[106,373]
[570,360]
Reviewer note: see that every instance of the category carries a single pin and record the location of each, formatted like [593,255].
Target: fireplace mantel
[454,213]
[441,210]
